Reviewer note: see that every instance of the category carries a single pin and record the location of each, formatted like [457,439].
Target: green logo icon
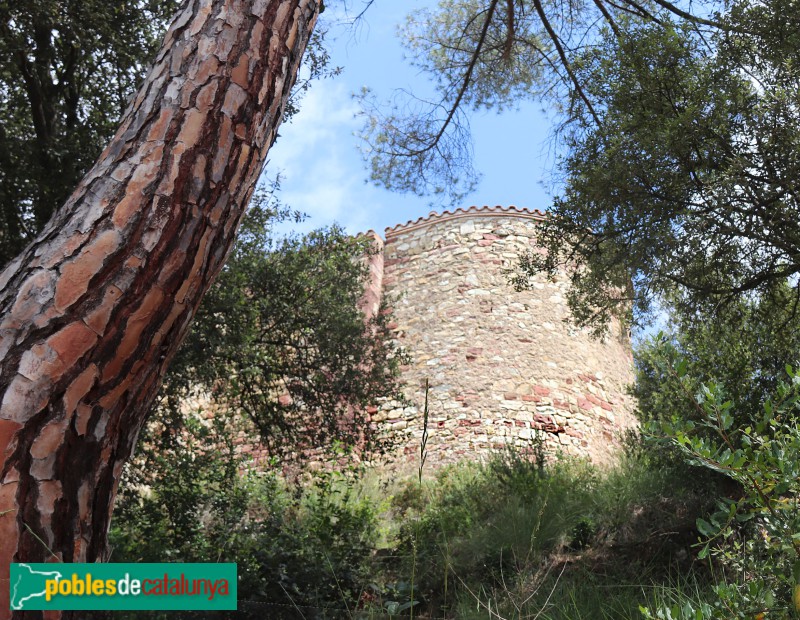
[114,587]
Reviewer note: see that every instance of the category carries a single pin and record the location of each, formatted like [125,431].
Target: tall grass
[512,538]
[518,539]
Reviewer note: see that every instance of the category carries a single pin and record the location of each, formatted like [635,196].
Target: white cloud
[321,170]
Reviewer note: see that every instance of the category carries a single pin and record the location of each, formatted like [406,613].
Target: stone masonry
[502,366]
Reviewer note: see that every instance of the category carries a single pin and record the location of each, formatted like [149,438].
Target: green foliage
[679,140]
[282,320]
[682,173]
[280,340]
[441,42]
[479,55]
[183,498]
[482,536]
[585,594]
[67,68]
[490,55]
[312,552]
[755,535]
[302,548]
[560,540]
[743,352]
[67,71]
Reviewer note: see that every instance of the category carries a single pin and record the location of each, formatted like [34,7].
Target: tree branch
[465,83]
[564,60]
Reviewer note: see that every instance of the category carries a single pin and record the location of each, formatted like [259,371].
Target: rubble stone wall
[502,366]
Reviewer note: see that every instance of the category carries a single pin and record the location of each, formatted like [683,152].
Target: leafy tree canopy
[744,352]
[690,180]
[679,134]
[484,54]
[280,339]
[67,68]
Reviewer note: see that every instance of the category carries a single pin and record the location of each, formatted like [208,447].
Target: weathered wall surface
[501,364]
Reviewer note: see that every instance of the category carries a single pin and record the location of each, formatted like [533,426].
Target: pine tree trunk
[92,312]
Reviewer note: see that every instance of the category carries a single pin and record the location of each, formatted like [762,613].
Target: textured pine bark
[92,312]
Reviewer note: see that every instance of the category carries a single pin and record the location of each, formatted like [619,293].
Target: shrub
[298,547]
[754,536]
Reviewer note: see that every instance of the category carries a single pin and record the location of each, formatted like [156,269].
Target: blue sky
[317,153]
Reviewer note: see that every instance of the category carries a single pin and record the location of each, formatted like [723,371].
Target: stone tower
[501,365]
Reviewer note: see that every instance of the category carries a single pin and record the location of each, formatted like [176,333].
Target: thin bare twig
[465,83]
[564,60]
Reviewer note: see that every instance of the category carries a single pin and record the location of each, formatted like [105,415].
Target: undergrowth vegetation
[512,538]
[516,538]
[697,520]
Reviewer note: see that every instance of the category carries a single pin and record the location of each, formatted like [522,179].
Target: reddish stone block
[469,422]
[585,404]
[473,353]
[445,248]
[541,390]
